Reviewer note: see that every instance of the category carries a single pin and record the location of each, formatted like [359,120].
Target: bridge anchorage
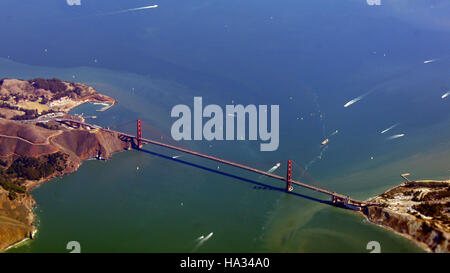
[133,141]
[129,140]
[136,141]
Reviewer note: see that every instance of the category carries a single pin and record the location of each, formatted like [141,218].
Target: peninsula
[35,148]
[418,210]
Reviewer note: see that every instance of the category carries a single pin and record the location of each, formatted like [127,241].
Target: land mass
[35,148]
[418,210]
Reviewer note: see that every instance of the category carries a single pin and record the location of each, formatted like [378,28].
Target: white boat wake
[355,100]
[395,136]
[318,157]
[430,61]
[271,170]
[201,240]
[388,129]
[274,168]
[133,9]
[334,133]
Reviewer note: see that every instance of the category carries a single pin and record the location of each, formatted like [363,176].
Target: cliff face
[87,144]
[16,218]
[419,210]
[429,237]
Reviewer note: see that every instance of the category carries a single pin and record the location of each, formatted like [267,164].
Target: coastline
[422,245]
[37,185]
[76,151]
[24,240]
[106,106]
[407,225]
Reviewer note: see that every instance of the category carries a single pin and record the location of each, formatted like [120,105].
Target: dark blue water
[310,57]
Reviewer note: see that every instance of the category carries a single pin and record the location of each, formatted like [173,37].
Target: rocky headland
[35,148]
[418,210]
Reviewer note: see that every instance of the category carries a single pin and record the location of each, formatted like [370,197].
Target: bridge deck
[227,162]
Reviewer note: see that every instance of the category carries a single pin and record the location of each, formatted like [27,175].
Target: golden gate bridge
[137,141]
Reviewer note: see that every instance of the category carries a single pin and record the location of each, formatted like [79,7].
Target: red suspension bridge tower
[139,134]
[289,176]
[337,199]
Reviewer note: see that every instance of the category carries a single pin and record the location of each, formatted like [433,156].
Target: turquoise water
[310,58]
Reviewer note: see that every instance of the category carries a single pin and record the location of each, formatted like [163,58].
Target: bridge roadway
[227,162]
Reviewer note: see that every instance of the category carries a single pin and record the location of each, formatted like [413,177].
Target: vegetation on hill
[48,125]
[57,87]
[53,85]
[435,210]
[33,98]
[437,195]
[30,168]
[415,184]
[13,188]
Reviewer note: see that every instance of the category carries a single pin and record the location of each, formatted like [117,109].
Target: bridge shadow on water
[257,185]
